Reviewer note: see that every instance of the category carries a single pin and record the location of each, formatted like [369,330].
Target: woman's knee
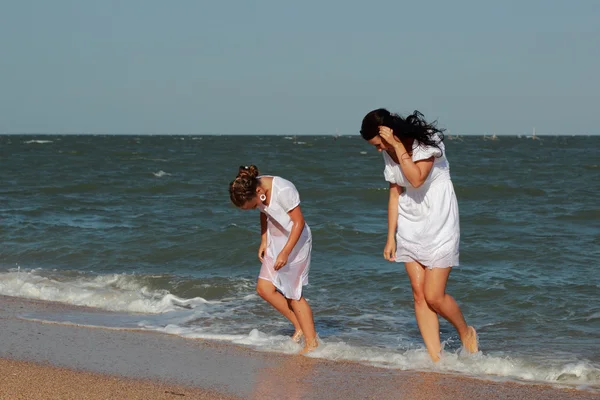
[434,299]
[419,297]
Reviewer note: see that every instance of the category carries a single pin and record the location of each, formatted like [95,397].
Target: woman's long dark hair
[414,126]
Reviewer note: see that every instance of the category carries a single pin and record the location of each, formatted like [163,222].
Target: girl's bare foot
[310,346]
[297,336]
[435,357]
[470,342]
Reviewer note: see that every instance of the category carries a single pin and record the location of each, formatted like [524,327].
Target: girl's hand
[261,251]
[282,259]
[387,134]
[389,251]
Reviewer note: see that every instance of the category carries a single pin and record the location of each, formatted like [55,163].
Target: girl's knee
[263,290]
[298,304]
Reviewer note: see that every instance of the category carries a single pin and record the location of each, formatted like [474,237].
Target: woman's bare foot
[310,346]
[297,336]
[470,342]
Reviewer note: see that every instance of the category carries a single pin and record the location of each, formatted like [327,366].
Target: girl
[423,226]
[285,247]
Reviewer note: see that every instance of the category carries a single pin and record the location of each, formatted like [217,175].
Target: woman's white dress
[428,224]
[289,279]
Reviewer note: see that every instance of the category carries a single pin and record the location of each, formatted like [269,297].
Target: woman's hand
[282,259]
[389,251]
[261,251]
[387,134]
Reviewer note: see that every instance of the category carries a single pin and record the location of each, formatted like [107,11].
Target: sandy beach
[53,361]
[28,380]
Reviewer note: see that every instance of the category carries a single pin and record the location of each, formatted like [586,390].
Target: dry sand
[30,381]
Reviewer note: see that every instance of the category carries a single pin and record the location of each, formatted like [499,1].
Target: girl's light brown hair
[243,187]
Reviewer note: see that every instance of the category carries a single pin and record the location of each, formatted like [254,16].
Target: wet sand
[53,361]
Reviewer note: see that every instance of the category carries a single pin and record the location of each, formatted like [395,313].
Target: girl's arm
[298,220]
[263,227]
[263,236]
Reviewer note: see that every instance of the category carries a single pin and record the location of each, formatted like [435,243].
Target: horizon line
[447,135]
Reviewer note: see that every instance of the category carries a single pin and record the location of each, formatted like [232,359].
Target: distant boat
[493,137]
[455,137]
[533,136]
[337,134]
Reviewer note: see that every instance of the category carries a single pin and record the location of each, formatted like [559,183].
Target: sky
[302,67]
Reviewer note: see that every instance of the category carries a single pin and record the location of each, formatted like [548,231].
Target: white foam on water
[161,173]
[255,339]
[595,315]
[38,141]
[498,367]
[114,292]
[198,318]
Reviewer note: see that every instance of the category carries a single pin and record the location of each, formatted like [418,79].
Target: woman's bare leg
[445,305]
[427,318]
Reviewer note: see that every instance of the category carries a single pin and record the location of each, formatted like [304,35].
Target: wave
[585,216]
[496,192]
[38,141]
[114,292]
[197,318]
[580,374]
[161,173]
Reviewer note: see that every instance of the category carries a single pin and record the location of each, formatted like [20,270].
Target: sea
[141,229]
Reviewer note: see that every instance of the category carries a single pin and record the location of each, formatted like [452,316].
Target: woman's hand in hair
[387,134]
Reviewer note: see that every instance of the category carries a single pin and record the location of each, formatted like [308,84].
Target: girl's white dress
[289,279]
[428,224]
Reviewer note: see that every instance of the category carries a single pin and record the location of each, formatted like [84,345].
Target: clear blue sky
[302,67]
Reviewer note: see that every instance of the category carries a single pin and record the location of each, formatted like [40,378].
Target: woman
[423,225]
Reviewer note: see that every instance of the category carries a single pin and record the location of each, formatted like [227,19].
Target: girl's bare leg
[305,317]
[269,293]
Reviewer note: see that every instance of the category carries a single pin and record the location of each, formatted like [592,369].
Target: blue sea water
[142,228]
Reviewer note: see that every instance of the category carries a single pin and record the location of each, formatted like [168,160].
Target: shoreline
[44,356]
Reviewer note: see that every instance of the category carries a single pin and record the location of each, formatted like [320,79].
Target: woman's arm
[415,172]
[389,252]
